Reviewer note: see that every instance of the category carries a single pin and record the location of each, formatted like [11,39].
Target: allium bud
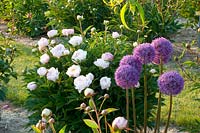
[88,92]
[106,96]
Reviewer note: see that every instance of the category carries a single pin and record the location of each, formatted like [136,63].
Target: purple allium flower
[163,49]
[126,76]
[170,83]
[144,52]
[132,61]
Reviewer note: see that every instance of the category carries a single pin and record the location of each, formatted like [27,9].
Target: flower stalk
[169,114]
[127,108]
[134,109]
[145,99]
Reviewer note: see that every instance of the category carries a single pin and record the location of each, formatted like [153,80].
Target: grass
[17,91]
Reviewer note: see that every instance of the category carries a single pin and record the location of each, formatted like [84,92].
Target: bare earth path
[13,119]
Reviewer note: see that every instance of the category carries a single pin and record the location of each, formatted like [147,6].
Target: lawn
[185,106]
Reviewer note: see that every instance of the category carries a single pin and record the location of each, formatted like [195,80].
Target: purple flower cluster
[132,61]
[170,83]
[163,50]
[144,52]
[126,76]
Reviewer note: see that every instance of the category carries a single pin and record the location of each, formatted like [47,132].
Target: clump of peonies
[163,50]
[170,83]
[144,52]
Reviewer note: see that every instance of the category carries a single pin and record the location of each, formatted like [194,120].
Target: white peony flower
[107,56]
[52,33]
[42,43]
[58,50]
[88,92]
[137,85]
[53,74]
[73,71]
[67,32]
[44,58]
[119,123]
[32,86]
[115,35]
[66,52]
[46,113]
[105,83]
[79,55]
[102,63]
[76,40]
[90,76]
[81,83]
[152,71]
[42,71]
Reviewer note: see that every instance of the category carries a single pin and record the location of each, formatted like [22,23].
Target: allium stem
[169,114]
[157,126]
[127,108]
[134,109]
[145,99]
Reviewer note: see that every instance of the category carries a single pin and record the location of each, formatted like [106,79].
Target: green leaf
[189,63]
[63,129]
[109,110]
[94,130]
[122,16]
[90,123]
[141,12]
[36,129]
[91,104]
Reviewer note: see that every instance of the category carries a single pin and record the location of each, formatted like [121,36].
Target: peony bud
[106,96]
[46,113]
[88,92]
[119,123]
[79,17]
[44,59]
[104,112]
[87,109]
[83,105]
[152,71]
[32,86]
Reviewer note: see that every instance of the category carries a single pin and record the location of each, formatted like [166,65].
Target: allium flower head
[126,76]
[132,61]
[144,52]
[163,50]
[170,83]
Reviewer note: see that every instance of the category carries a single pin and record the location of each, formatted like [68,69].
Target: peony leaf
[109,110]
[36,129]
[90,123]
[141,12]
[94,130]
[63,129]
[91,104]
[122,16]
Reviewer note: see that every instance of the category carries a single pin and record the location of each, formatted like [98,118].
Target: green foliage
[62,97]
[7,53]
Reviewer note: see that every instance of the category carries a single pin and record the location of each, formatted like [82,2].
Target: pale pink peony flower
[119,123]
[53,74]
[43,43]
[81,83]
[58,50]
[102,63]
[76,40]
[115,35]
[44,59]
[32,86]
[42,71]
[52,33]
[74,71]
[79,55]
[67,32]
[88,92]
[107,56]
[105,83]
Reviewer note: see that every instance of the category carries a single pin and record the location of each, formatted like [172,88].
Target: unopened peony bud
[106,96]
[119,123]
[104,112]
[105,22]
[87,109]
[152,71]
[88,92]
[46,113]
[93,29]
[32,86]
[83,105]
[51,120]
[79,17]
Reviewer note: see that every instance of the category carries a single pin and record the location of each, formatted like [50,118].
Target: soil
[13,119]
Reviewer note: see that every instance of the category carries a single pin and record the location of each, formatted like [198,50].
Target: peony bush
[72,67]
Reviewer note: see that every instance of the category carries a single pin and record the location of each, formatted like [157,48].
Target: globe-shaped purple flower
[132,61]
[126,76]
[163,50]
[144,52]
[170,83]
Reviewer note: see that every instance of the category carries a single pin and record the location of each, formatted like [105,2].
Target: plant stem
[81,29]
[102,104]
[134,109]
[52,128]
[106,124]
[157,126]
[127,108]
[169,114]
[97,116]
[145,99]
